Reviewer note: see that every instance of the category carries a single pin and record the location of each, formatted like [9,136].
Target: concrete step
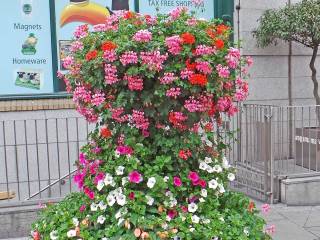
[23,238]
[15,222]
[301,190]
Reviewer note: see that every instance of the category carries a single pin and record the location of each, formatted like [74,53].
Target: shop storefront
[37,36]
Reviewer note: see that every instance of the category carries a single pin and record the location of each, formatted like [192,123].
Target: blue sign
[26,60]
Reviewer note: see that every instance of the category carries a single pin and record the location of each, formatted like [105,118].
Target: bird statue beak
[83,11]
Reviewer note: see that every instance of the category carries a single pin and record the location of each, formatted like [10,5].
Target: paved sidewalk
[294,223]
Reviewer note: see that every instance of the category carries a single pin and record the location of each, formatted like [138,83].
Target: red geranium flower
[188,38]
[190,66]
[128,15]
[219,43]
[91,55]
[222,28]
[251,206]
[185,154]
[105,132]
[108,46]
[198,79]
[211,33]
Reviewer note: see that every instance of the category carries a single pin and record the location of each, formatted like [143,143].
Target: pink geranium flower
[135,177]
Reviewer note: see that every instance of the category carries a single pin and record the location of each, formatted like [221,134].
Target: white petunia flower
[169,194]
[200,130]
[192,229]
[166,179]
[121,199]
[116,154]
[173,202]
[221,219]
[195,219]
[102,206]
[101,219]
[124,180]
[210,169]
[204,192]
[192,207]
[117,191]
[231,177]
[119,170]
[54,235]
[111,200]
[213,184]
[100,185]
[118,214]
[246,231]
[209,143]
[108,180]
[150,200]
[208,160]
[71,233]
[203,166]
[206,221]
[221,188]
[151,182]
[120,221]
[225,163]
[75,222]
[217,168]
[202,200]
[93,207]
[104,238]
[165,226]
[183,218]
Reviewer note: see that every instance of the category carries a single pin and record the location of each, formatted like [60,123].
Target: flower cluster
[154,167]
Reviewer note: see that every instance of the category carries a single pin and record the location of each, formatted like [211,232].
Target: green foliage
[229,215]
[299,23]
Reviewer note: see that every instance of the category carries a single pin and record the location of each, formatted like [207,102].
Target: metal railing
[37,157]
[269,143]
[274,142]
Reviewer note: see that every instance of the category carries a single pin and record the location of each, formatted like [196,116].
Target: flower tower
[154,167]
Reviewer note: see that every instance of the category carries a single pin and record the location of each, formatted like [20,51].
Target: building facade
[270,81]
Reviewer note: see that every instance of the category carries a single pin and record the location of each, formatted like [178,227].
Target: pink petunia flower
[124,150]
[193,176]
[177,182]
[82,208]
[135,177]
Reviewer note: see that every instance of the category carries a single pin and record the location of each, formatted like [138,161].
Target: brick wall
[37,104]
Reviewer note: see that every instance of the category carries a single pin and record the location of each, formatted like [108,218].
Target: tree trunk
[315,81]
